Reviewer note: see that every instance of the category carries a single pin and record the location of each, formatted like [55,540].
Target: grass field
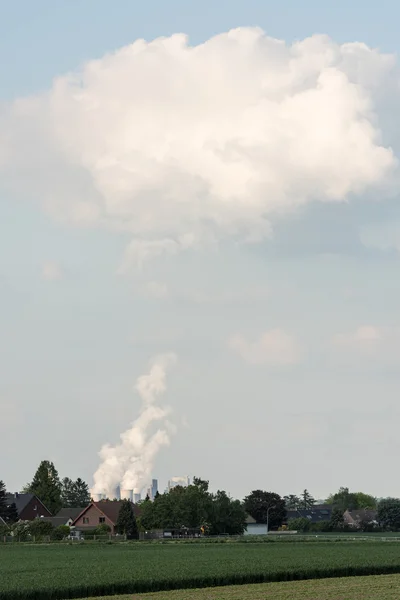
[78,571]
[381,587]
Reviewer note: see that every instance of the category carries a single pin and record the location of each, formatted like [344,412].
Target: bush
[40,529]
[60,532]
[299,524]
[102,529]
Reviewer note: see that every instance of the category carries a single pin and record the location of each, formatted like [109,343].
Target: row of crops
[80,571]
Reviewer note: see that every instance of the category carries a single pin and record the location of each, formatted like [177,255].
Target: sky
[218,182]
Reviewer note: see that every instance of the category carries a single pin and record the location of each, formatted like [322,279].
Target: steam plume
[130,463]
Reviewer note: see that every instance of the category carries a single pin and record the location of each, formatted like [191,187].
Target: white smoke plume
[130,463]
[181,145]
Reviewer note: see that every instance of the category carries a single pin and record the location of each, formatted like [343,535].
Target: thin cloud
[52,271]
[274,348]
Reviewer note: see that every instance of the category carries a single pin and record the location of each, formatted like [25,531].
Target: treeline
[194,506]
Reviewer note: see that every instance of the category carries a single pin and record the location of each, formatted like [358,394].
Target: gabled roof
[363,514]
[21,501]
[69,513]
[109,508]
[250,519]
[314,514]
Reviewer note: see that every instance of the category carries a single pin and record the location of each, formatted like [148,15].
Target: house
[104,512]
[28,506]
[254,528]
[318,513]
[65,516]
[360,518]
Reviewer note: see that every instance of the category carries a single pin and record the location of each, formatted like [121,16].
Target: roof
[363,514]
[21,501]
[250,519]
[314,514]
[69,513]
[109,508]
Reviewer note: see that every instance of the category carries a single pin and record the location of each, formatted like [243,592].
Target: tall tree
[74,494]
[292,502]
[67,493]
[8,512]
[389,513]
[81,493]
[306,500]
[227,515]
[266,507]
[3,502]
[126,522]
[46,486]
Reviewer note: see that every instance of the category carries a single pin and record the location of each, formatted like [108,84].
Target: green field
[381,587]
[79,571]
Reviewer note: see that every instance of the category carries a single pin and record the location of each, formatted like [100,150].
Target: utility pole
[268,509]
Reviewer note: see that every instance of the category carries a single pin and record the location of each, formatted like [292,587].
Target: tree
[11,515]
[67,493]
[336,521]
[74,494]
[39,528]
[46,486]
[227,515]
[346,500]
[126,522]
[292,502]
[299,524]
[306,500]
[81,493]
[8,512]
[3,503]
[389,513]
[266,507]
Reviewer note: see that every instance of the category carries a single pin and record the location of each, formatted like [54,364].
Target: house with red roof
[104,512]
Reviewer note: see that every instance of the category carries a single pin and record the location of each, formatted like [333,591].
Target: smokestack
[127,495]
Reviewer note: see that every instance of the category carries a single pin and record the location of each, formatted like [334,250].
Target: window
[102,519]
[86,520]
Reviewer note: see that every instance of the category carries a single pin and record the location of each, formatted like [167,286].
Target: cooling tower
[97,497]
[127,495]
[136,495]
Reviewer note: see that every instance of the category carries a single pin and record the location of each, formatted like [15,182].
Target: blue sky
[286,347]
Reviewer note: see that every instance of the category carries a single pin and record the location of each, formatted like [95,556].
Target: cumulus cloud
[178,144]
[52,271]
[274,347]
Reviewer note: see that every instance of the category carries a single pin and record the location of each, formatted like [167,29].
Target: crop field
[42,572]
[380,587]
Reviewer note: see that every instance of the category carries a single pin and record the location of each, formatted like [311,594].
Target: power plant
[134,495]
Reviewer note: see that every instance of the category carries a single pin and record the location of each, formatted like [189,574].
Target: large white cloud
[178,144]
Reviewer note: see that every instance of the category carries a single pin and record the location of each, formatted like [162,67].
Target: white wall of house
[256,529]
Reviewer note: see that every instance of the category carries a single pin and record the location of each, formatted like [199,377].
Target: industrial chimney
[127,495]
